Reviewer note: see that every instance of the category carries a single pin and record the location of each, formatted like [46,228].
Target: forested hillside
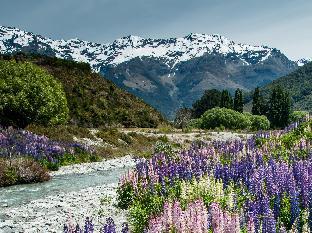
[299,86]
[94,101]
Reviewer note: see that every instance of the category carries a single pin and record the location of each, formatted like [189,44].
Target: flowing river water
[45,207]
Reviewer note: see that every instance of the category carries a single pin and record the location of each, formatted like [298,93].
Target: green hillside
[299,86]
[94,101]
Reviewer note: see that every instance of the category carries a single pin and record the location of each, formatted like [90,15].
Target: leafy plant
[28,94]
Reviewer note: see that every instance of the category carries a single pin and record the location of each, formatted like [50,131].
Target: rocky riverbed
[74,193]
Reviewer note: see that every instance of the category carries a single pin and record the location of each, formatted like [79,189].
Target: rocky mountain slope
[166,73]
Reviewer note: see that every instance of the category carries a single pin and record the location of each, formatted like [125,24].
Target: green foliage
[210,99]
[70,159]
[125,195]
[279,108]
[226,100]
[28,94]
[299,86]
[94,101]
[296,116]
[238,101]
[10,175]
[259,123]
[195,123]
[228,118]
[138,217]
[285,212]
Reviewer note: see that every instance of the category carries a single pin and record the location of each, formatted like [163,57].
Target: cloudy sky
[284,24]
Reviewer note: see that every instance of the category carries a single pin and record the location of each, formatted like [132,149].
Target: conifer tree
[238,101]
[210,99]
[258,104]
[226,100]
[279,107]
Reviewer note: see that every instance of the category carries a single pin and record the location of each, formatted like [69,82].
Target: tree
[210,99]
[226,100]
[258,104]
[28,94]
[238,101]
[279,107]
[183,117]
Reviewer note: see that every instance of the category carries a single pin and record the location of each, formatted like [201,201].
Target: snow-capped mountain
[172,51]
[166,73]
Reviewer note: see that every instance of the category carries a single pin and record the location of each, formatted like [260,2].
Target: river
[45,207]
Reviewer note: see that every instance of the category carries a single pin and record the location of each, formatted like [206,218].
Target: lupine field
[263,184]
[16,143]
[26,157]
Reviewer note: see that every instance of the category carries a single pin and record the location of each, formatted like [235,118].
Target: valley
[173,132]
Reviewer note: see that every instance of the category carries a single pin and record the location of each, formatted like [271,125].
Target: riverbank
[50,213]
[74,192]
[84,168]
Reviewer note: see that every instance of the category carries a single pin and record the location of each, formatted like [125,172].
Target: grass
[121,143]
[64,133]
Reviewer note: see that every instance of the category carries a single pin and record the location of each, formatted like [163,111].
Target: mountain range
[166,73]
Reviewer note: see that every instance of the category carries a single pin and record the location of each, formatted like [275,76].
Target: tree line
[277,108]
[214,98]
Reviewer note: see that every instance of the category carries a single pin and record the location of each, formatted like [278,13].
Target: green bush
[28,94]
[195,123]
[125,195]
[224,118]
[228,118]
[259,122]
[297,116]
[139,216]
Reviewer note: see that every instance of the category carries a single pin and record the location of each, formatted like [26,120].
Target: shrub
[28,94]
[195,123]
[259,122]
[296,116]
[21,171]
[223,118]
[165,128]
[125,196]
[228,118]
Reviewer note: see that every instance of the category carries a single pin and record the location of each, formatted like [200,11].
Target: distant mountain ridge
[173,51]
[166,73]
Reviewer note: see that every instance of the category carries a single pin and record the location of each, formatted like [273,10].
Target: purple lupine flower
[109,227]
[89,226]
[125,228]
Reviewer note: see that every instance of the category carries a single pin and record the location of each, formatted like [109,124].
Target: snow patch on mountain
[171,51]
